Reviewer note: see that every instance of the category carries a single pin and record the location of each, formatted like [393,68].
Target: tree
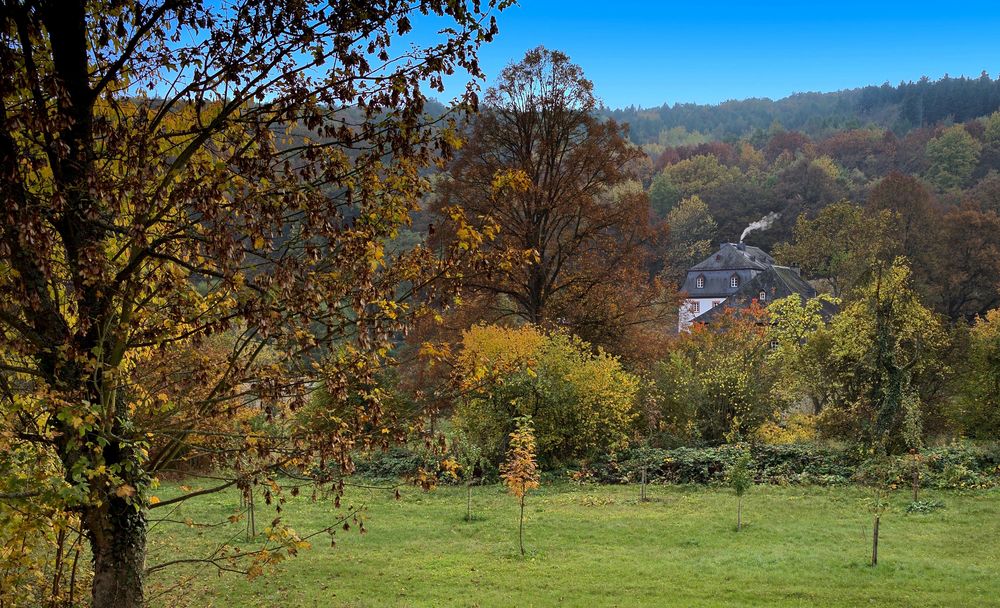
[540,165]
[663,194]
[840,245]
[740,477]
[470,460]
[875,475]
[887,363]
[965,263]
[953,156]
[979,392]
[581,402]
[692,230]
[174,170]
[519,471]
[717,382]
[802,345]
[689,177]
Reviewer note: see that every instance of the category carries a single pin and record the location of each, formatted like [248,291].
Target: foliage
[979,393]
[840,245]
[953,156]
[175,171]
[581,402]
[793,428]
[801,348]
[519,470]
[886,364]
[692,231]
[540,166]
[924,506]
[717,383]
[688,178]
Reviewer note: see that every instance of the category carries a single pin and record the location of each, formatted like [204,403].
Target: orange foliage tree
[520,471]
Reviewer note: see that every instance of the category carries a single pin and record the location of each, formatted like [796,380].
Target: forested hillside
[899,108]
[929,158]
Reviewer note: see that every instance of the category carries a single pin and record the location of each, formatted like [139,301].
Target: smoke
[762,224]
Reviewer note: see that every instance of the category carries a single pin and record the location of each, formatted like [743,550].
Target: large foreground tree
[172,170]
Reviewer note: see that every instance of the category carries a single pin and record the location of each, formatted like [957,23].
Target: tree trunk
[117,534]
[468,503]
[916,484]
[875,542]
[739,514]
[642,493]
[520,533]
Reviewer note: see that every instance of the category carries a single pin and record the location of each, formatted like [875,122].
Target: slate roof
[776,282]
[735,257]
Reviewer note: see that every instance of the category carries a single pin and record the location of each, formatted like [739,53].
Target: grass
[598,546]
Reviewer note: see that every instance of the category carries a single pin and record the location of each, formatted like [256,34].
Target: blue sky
[648,53]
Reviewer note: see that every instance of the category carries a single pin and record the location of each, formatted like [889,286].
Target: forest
[254,280]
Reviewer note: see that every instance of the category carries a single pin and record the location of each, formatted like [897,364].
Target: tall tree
[173,169]
[540,165]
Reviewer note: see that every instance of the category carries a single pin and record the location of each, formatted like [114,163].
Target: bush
[581,401]
[952,467]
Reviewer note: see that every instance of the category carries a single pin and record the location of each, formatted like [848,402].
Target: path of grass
[597,546]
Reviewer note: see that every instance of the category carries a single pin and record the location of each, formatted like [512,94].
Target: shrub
[581,401]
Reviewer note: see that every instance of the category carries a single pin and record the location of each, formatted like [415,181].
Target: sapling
[520,471]
[741,479]
[470,459]
[877,478]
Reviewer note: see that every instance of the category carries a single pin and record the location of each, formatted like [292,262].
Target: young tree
[540,165]
[520,471]
[470,461]
[741,479]
[875,476]
[176,169]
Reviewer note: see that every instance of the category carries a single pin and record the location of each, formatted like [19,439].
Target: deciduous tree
[175,169]
[540,165]
[519,471]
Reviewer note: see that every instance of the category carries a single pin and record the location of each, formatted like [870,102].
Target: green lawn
[598,546]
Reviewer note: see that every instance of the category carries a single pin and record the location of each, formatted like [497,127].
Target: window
[774,344]
[696,307]
[700,282]
[762,296]
[716,303]
[734,281]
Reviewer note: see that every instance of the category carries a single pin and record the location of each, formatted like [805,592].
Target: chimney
[741,246]
[795,268]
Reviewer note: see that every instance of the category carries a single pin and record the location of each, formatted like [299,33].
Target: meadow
[593,545]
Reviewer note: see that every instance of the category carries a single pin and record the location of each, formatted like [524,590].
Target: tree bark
[642,494]
[875,542]
[520,533]
[739,514]
[468,503]
[117,534]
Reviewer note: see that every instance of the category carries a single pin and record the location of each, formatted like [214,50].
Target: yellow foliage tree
[581,401]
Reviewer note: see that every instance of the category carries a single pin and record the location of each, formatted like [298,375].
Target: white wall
[686,313]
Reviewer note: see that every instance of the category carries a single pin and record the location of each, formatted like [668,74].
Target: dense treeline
[899,108]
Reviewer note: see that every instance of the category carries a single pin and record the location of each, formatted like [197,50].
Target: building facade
[733,277]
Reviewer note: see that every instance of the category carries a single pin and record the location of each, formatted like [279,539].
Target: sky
[650,53]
